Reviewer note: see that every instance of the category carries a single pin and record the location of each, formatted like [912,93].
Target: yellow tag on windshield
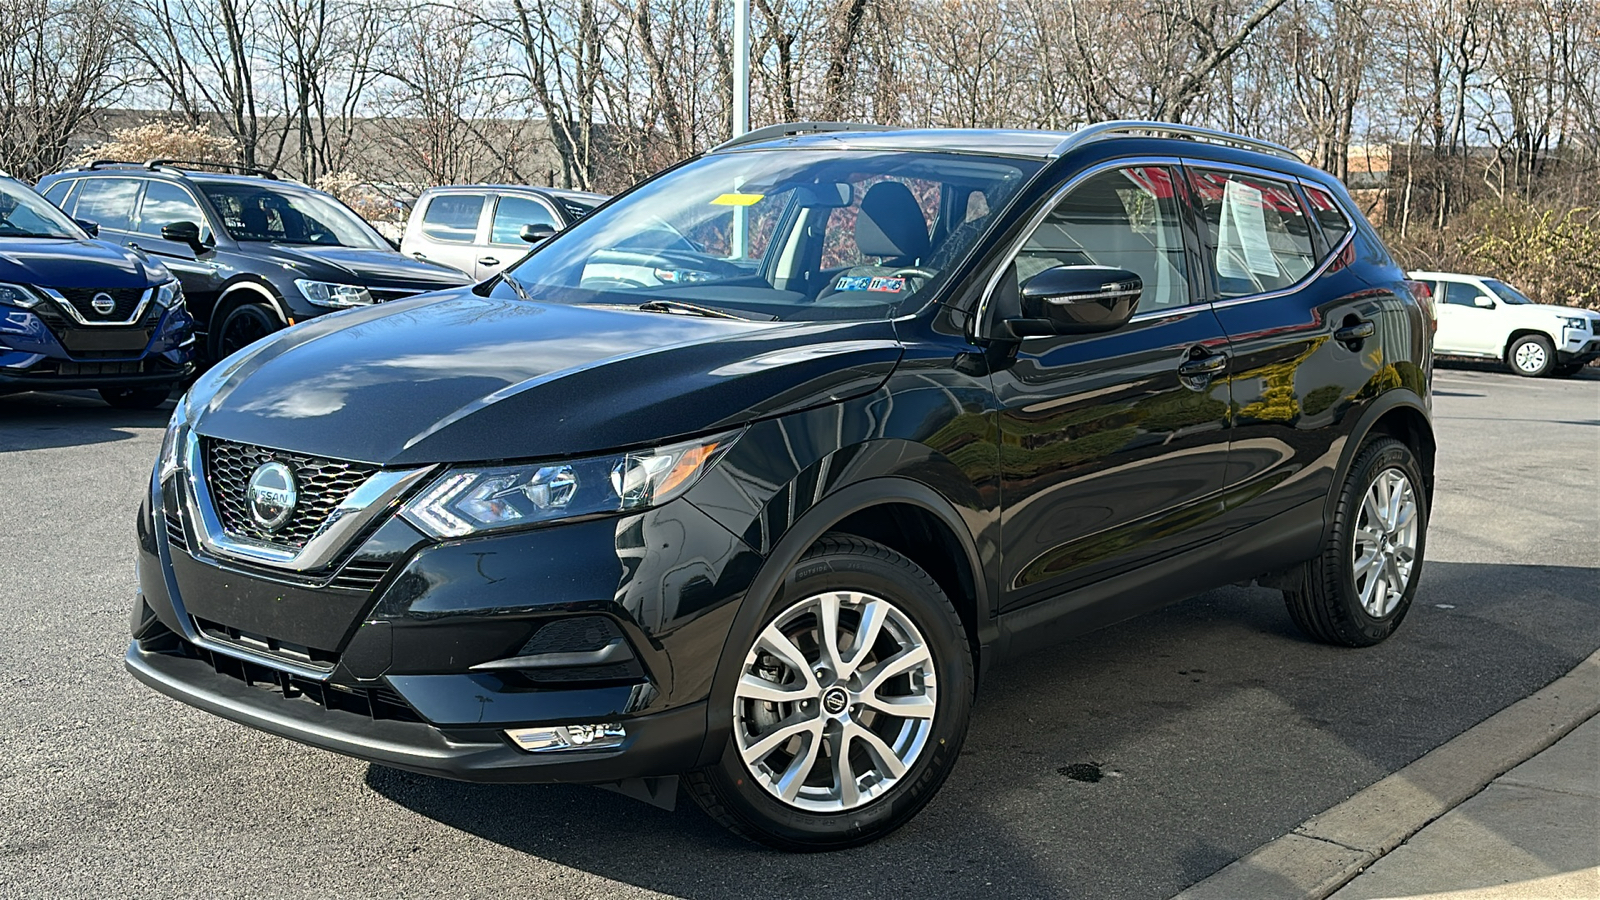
[737,200]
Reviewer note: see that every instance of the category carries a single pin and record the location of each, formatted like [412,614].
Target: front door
[165,203]
[1464,327]
[1113,446]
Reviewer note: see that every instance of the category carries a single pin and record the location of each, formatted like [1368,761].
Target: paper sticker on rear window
[737,199]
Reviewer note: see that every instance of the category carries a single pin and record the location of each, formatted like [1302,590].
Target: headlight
[171,459]
[471,501]
[170,295]
[335,296]
[1582,324]
[18,295]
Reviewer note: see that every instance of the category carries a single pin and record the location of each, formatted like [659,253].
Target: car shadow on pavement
[38,421]
[1131,762]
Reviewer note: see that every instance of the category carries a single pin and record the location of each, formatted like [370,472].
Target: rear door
[1285,290]
[1113,446]
[451,229]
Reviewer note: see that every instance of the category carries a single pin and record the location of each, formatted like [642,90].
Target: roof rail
[1122,128]
[182,164]
[787,128]
[111,164]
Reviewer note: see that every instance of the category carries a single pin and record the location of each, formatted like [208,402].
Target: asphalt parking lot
[1130,763]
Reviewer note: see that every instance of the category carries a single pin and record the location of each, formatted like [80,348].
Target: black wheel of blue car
[135,398]
[851,705]
[1357,591]
[244,325]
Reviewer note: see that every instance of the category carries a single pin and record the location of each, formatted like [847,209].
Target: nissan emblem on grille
[103,303]
[271,495]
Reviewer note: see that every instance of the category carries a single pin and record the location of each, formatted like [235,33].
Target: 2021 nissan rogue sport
[899,404]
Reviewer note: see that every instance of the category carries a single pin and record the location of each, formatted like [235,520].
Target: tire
[135,398]
[1567,370]
[1335,600]
[1532,356]
[790,795]
[244,325]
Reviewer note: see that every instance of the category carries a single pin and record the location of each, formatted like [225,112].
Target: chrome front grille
[322,485]
[125,300]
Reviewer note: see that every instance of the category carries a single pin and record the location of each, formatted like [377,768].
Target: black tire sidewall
[252,310]
[1549,355]
[1381,456]
[777,824]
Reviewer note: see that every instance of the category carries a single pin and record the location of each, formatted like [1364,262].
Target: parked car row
[128,276]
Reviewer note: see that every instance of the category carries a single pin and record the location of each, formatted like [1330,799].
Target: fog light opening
[548,738]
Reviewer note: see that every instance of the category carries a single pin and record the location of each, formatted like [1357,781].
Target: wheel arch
[904,515]
[1399,414]
[1518,334]
[239,292]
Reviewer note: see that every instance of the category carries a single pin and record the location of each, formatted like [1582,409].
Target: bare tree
[61,68]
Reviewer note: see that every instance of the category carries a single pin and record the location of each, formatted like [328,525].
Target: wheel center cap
[835,700]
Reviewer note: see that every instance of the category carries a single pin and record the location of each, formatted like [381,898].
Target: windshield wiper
[678,306]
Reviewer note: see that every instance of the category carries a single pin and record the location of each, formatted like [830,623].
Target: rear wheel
[244,325]
[851,704]
[135,398]
[1359,589]
[1531,355]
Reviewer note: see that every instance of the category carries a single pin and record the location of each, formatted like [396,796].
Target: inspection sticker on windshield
[868,283]
[737,199]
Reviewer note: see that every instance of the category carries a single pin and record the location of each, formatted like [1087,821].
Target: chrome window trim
[349,518]
[1318,270]
[980,324]
[69,309]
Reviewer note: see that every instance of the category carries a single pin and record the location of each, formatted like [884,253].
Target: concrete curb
[1332,847]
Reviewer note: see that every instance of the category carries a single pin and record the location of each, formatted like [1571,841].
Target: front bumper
[666,743]
[1579,348]
[390,670]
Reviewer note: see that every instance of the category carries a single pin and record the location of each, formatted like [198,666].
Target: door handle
[1357,332]
[419,255]
[1204,366]
[488,261]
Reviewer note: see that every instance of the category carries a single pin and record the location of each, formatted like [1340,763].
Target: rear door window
[513,212]
[57,193]
[108,202]
[1335,225]
[1256,231]
[453,217]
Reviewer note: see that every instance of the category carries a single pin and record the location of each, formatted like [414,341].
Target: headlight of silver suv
[18,295]
[1582,324]
[332,295]
[471,501]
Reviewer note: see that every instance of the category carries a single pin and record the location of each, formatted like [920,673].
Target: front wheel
[245,324]
[1359,589]
[1531,355]
[850,707]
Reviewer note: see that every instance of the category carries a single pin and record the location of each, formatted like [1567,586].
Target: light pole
[741,108]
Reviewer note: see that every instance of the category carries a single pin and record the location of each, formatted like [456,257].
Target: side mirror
[183,233]
[1077,300]
[533,234]
[90,226]
[1483,301]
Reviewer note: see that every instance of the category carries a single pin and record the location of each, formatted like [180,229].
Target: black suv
[893,405]
[255,252]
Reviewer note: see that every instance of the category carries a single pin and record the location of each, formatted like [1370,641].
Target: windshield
[780,234]
[1506,292]
[25,214]
[258,212]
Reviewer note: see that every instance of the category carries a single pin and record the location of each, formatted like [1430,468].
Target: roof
[988,141]
[554,192]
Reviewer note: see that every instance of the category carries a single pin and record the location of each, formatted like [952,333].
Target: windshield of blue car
[1507,293]
[257,212]
[780,234]
[25,214]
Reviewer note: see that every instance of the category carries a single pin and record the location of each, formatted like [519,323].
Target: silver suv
[481,228]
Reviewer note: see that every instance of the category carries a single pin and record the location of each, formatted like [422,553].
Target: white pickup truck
[1489,319]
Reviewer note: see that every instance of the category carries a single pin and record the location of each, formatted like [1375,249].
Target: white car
[1489,319]
[480,228]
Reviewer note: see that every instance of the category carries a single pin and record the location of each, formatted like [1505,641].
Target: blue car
[76,312]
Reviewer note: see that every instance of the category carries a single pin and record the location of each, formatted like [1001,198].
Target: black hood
[357,265]
[456,377]
[76,264]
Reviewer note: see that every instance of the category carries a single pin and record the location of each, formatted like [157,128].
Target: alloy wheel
[835,702]
[1384,549]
